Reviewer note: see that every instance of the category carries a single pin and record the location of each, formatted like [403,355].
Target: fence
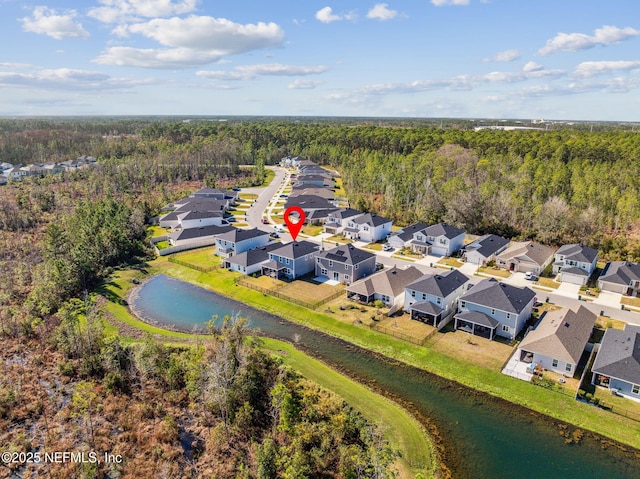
[185,246]
[403,336]
[202,269]
[275,292]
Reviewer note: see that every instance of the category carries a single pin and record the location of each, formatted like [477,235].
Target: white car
[529,276]
[387,247]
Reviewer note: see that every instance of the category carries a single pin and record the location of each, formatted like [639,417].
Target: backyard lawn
[162,244]
[202,257]
[156,230]
[310,291]
[405,326]
[248,196]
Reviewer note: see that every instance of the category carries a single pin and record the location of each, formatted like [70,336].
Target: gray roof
[253,256]
[296,249]
[578,252]
[487,245]
[407,233]
[274,265]
[310,202]
[306,190]
[619,354]
[574,270]
[561,334]
[202,231]
[390,281]
[502,296]
[198,214]
[345,213]
[346,254]
[621,272]
[187,204]
[236,234]
[314,177]
[371,219]
[528,251]
[320,214]
[478,318]
[443,229]
[426,307]
[440,284]
[204,192]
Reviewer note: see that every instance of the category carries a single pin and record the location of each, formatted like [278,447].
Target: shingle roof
[561,334]
[309,202]
[371,220]
[346,254]
[502,296]
[441,284]
[345,213]
[443,229]
[487,245]
[198,214]
[621,272]
[577,252]
[236,234]
[204,203]
[573,270]
[426,307]
[296,249]
[478,318]
[407,233]
[306,190]
[619,354]
[528,251]
[390,281]
[211,191]
[191,233]
[253,256]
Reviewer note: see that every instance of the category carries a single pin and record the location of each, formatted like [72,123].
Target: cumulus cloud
[588,69]
[47,21]
[532,67]
[445,3]
[191,41]
[381,11]
[249,72]
[66,79]
[504,56]
[300,84]
[326,15]
[572,42]
[114,11]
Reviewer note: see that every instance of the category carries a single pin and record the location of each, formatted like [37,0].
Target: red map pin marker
[294,228]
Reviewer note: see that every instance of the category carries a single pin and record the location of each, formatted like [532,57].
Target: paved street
[254,214]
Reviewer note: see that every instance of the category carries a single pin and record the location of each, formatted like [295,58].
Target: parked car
[387,247]
[235,188]
[529,276]
[284,196]
[274,235]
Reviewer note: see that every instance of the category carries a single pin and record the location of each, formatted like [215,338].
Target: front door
[336,276]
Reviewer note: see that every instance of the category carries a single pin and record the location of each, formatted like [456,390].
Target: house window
[568,367]
[463,304]
[508,315]
[424,297]
[493,312]
[288,271]
[505,328]
[635,389]
[286,261]
[330,264]
[554,363]
[357,266]
[439,300]
[346,277]
[413,294]
[323,271]
[318,259]
[442,241]
[346,266]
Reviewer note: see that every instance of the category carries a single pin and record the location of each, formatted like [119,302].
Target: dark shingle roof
[502,296]
[619,354]
[443,229]
[621,272]
[236,234]
[578,252]
[309,202]
[191,233]
[407,233]
[296,249]
[346,254]
[253,256]
[487,245]
[441,284]
[426,307]
[198,214]
[577,271]
[478,318]
[371,220]
[345,213]
[389,281]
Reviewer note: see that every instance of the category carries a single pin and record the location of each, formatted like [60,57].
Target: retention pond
[482,437]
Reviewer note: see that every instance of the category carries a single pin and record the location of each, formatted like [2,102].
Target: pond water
[484,437]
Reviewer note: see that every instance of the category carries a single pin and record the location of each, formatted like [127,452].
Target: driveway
[254,214]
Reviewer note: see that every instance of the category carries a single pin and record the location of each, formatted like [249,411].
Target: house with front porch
[575,263]
[438,240]
[338,220]
[345,264]
[237,241]
[493,308]
[617,364]
[525,257]
[558,340]
[368,227]
[433,297]
[291,260]
[387,286]
[621,277]
[485,249]
[402,238]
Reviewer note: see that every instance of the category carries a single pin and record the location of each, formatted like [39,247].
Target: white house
[251,261]
[403,237]
[575,263]
[368,227]
[484,249]
[439,240]
[238,241]
[338,220]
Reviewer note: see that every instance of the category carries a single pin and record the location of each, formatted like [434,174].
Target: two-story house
[387,286]
[621,277]
[238,241]
[368,227]
[617,364]
[202,236]
[493,308]
[575,263]
[195,212]
[338,220]
[291,260]
[403,237]
[345,264]
[439,240]
[432,298]
[484,249]
[250,261]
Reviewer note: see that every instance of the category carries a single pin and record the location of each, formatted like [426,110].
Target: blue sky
[552,59]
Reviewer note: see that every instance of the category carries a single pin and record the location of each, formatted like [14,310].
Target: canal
[483,437]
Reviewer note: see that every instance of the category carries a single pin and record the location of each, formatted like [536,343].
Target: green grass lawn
[338,239]
[404,431]
[312,230]
[472,375]
[547,283]
[454,262]
[162,244]
[374,246]
[204,257]
[248,196]
[339,188]
[494,271]
[403,257]
[155,231]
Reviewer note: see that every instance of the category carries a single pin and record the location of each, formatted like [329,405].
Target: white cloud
[300,84]
[532,67]
[191,41]
[114,11]
[326,15]
[380,11]
[504,56]
[572,42]
[588,69]
[47,21]
[14,66]
[67,79]
[249,72]
[445,3]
